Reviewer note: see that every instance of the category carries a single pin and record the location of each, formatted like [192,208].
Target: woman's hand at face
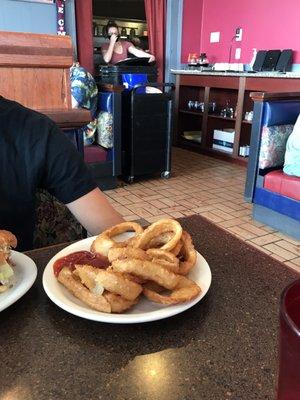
[113,38]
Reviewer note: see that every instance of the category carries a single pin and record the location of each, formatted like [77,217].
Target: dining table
[224,347]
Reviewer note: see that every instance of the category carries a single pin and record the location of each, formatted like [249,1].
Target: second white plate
[25,275]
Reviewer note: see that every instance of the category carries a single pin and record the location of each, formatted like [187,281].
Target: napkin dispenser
[273,60]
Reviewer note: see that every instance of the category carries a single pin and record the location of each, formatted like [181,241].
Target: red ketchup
[80,258]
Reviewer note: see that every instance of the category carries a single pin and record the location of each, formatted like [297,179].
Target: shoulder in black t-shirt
[34,154]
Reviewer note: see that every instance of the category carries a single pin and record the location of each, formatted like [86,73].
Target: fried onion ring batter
[187,253]
[111,281]
[116,253]
[159,240]
[185,290]
[97,302]
[147,270]
[159,228]
[164,258]
[118,303]
[177,248]
[104,241]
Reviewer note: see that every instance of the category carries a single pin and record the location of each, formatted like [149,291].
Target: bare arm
[107,54]
[94,212]
[140,53]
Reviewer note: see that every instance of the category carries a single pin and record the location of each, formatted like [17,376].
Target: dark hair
[110,24]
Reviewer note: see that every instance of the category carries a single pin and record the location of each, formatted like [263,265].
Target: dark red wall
[191,28]
[267,24]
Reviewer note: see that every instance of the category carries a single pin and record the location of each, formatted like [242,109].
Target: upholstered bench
[275,195]
[94,154]
[278,182]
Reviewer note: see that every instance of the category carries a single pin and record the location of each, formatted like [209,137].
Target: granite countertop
[225,347]
[295,75]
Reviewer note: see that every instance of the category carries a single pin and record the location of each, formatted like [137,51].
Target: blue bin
[130,80]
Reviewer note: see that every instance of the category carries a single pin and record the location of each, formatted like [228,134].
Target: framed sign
[60,7]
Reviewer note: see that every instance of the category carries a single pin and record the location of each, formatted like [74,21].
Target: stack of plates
[195,136]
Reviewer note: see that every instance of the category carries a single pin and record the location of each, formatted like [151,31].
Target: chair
[101,137]
[275,195]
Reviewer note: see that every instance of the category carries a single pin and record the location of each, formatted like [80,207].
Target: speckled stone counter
[225,347]
[271,74]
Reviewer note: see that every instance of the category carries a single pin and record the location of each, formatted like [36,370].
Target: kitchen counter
[225,347]
[295,75]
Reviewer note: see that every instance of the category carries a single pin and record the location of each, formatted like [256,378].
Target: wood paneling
[273,84]
[227,82]
[75,118]
[37,88]
[34,71]
[35,50]
[261,96]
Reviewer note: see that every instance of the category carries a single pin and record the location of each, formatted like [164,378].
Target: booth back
[278,120]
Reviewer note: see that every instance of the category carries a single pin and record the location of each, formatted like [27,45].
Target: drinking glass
[289,344]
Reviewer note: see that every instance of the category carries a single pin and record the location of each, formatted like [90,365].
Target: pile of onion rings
[154,263]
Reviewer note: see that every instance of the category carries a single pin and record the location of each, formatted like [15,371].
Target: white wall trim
[173,37]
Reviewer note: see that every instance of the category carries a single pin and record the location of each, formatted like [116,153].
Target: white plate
[144,311]
[25,274]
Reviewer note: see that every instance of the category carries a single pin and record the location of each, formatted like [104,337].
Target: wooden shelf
[190,140]
[234,90]
[190,112]
[222,155]
[245,159]
[225,153]
[189,145]
[220,117]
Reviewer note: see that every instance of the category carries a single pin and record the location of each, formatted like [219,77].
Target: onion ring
[160,240]
[104,241]
[164,258]
[177,248]
[116,253]
[110,281]
[132,278]
[153,286]
[188,253]
[147,270]
[97,302]
[132,242]
[118,303]
[158,228]
[185,290]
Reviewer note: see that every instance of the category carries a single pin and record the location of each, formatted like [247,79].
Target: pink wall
[267,24]
[191,28]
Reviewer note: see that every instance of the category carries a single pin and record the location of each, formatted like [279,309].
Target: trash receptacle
[131,80]
[147,131]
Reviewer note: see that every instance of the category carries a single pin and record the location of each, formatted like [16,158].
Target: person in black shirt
[35,154]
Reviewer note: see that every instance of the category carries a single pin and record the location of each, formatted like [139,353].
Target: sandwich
[7,241]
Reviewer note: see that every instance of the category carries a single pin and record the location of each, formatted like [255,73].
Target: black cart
[112,74]
[147,131]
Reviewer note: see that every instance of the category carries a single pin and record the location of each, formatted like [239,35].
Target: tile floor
[209,187]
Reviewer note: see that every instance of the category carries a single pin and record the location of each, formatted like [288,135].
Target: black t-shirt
[34,154]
